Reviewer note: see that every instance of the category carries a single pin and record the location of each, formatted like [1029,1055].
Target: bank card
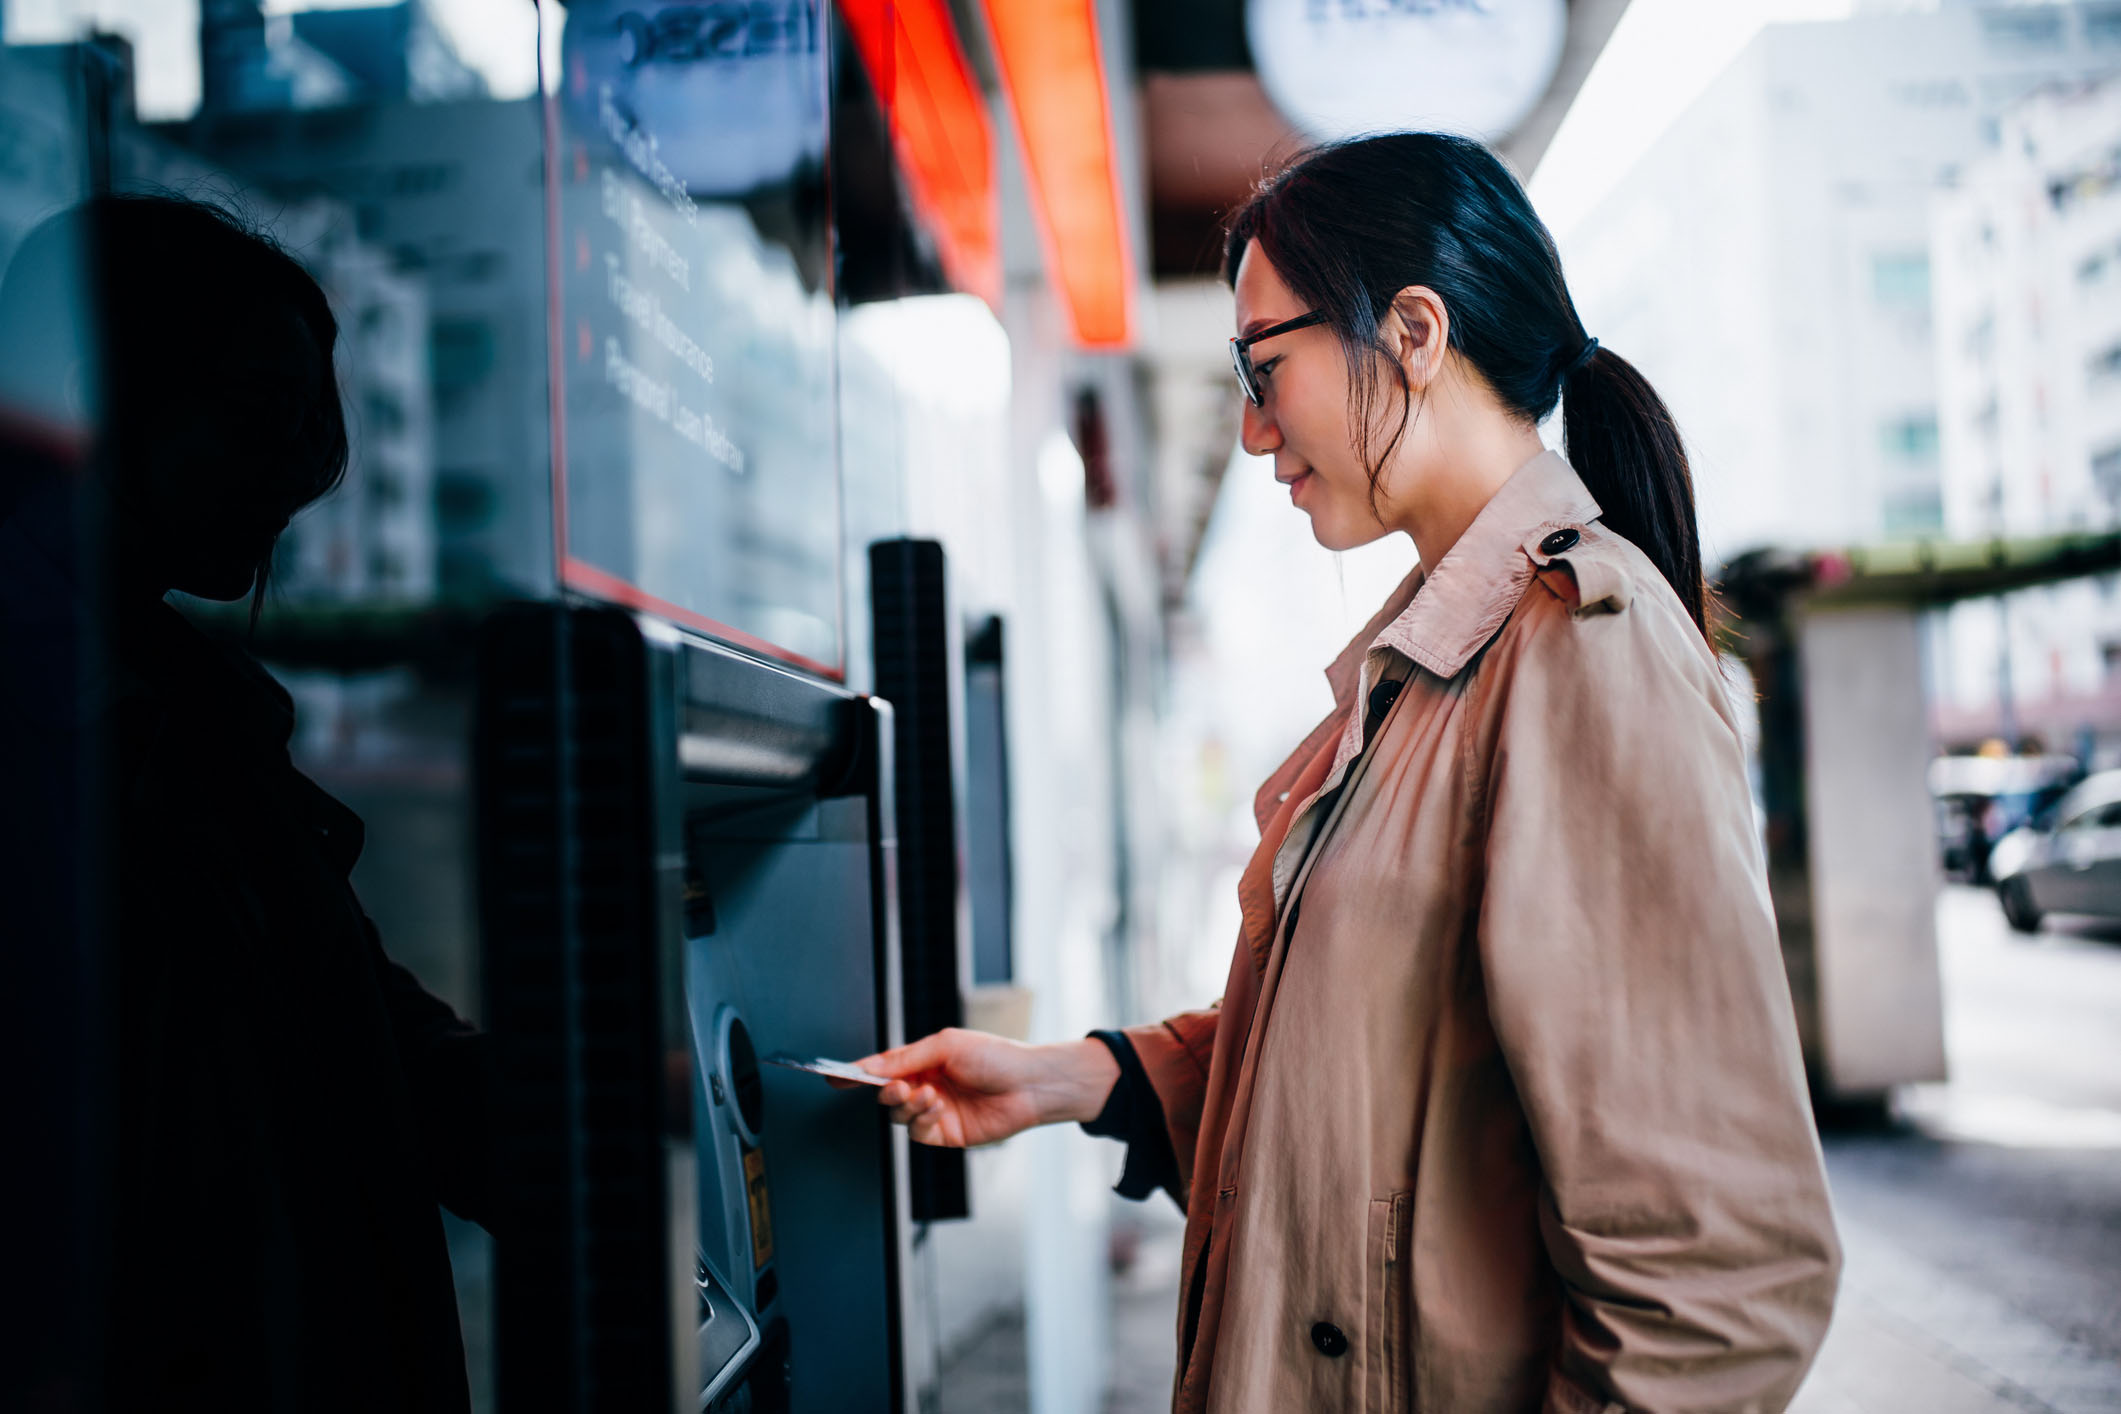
[836,1070]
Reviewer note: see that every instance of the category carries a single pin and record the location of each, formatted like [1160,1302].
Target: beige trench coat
[1502,1108]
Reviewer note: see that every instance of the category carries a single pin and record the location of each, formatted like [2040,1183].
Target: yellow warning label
[761,1208]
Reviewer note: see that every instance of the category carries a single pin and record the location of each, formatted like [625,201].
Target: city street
[1984,1229]
[1983,1225]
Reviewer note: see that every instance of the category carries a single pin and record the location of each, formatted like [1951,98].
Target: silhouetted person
[291,1104]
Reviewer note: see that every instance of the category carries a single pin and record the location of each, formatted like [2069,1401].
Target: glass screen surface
[693,327]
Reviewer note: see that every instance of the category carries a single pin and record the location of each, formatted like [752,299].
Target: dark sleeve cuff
[1135,1116]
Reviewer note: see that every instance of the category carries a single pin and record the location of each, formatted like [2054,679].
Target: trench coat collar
[1440,619]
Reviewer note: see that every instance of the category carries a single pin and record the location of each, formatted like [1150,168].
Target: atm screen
[692,322]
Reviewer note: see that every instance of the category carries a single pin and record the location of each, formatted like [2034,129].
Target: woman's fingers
[901,1093]
[928,1053]
[922,1101]
[930,1128]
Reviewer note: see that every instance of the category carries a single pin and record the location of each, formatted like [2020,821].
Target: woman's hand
[959,1088]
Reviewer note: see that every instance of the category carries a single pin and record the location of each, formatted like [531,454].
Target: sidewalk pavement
[1910,1338]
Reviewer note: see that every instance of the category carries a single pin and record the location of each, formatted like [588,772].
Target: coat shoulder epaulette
[1586,566]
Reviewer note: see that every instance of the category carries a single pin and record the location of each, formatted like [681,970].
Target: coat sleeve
[1635,982]
[449,1081]
[1174,1055]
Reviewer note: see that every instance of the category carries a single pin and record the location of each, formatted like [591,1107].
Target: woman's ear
[1417,330]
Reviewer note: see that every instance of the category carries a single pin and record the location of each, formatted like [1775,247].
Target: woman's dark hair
[1349,225]
[204,313]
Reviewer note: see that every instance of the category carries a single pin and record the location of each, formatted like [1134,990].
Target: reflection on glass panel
[395,152]
[694,327]
[45,377]
[275,55]
[424,222]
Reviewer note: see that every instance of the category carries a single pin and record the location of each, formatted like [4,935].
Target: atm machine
[698,848]
[691,859]
[688,864]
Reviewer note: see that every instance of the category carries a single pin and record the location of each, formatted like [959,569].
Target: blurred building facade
[1795,345]
[1807,349]
[2026,252]
[253,62]
[375,540]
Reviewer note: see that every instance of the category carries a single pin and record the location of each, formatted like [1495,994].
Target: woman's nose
[1258,434]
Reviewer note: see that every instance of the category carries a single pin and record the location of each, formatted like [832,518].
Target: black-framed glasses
[1241,352]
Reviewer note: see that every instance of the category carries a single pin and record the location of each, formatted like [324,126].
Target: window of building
[1901,279]
[2102,25]
[2023,27]
[2092,269]
[2105,364]
[1937,93]
[385,413]
[1981,337]
[2085,183]
[2106,473]
[1911,439]
[1916,510]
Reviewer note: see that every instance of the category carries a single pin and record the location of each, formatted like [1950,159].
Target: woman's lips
[1296,487]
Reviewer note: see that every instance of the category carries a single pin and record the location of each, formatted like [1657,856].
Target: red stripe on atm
[602,584]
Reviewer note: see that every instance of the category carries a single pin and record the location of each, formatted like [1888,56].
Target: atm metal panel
[672,834]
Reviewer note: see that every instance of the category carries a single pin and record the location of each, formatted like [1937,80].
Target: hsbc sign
[1336,68]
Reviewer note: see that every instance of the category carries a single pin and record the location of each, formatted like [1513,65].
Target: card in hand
[832,1069]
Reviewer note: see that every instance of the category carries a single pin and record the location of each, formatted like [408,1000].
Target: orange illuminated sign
[1051,62]
[939,130]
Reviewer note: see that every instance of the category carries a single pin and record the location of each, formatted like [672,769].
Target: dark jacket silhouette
[290,1106]
[292,1103]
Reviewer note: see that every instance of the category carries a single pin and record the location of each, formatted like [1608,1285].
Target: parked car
[1980,799]
[2065,861]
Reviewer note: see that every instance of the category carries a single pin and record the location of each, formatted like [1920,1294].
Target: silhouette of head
[220,413]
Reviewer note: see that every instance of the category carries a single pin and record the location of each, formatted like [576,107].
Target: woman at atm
[1501,1108]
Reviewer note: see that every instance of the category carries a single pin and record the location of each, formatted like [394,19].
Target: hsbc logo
[731,31]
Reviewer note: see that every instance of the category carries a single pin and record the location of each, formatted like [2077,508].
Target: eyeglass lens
[1241,360]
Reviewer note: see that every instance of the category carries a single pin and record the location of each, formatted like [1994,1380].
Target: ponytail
[1622,441]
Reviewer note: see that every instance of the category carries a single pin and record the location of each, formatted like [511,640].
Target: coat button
[1559,541]
[1382,697]
[1329,1339]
